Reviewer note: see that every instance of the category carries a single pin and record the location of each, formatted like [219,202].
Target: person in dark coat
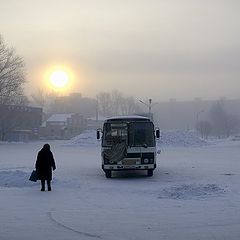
[44,165]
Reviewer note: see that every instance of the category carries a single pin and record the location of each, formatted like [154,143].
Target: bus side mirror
[99,131]
[157,133]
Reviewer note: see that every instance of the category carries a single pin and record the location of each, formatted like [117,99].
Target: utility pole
[149,105]
[97,112]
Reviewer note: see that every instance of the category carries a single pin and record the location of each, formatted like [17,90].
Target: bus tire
[150,172]
[108,173]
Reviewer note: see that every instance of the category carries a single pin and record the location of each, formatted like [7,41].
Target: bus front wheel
[108,173]
[150,172]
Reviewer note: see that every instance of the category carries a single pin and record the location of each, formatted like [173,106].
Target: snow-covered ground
[194,194]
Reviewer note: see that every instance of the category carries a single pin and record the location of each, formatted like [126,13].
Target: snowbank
[15,178]
[179,138]
[191,191]
[174,138]
[87,138]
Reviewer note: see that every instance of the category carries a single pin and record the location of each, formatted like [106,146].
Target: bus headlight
[145,160]
[148,158]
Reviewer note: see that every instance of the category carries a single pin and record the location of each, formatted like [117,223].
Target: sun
[59,79]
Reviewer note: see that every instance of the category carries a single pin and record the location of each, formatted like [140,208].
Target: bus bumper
[129,167]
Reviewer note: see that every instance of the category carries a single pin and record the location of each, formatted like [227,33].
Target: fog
[158,49]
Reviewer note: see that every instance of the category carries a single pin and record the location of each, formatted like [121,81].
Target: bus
[128,143]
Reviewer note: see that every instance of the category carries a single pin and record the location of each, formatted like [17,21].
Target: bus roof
[133,118]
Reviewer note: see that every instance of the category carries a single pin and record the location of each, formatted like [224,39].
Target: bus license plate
[129,162]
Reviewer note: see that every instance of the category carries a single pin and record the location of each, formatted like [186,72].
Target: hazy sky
[145,48]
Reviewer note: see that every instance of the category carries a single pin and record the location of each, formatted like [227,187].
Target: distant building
[185,115]
[94,123]
[63,126]
[19,123]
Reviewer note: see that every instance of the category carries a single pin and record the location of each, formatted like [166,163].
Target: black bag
[34,176]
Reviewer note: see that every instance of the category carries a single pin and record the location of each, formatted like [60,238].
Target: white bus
[128,143]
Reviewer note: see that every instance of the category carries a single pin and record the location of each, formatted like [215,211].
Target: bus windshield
[114,133]
[135,134]
[141,134]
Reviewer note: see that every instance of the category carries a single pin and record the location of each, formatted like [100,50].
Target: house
[63,126]
[19,123]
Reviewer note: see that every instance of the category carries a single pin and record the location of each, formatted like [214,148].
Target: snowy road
[194,194]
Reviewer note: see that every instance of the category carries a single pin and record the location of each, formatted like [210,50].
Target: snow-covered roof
[100,118]
[59,118]
[44,124]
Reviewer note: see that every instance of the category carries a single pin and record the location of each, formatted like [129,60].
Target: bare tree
[12,75]
[117,100]
[223,124]
[39,98]
[105,103]
[204,127]
[115,103]
[129,106]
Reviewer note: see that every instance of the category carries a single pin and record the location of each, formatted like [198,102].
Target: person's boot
[43,185]
[49,186]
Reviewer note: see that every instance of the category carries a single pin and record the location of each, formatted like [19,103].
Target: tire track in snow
[71,229]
